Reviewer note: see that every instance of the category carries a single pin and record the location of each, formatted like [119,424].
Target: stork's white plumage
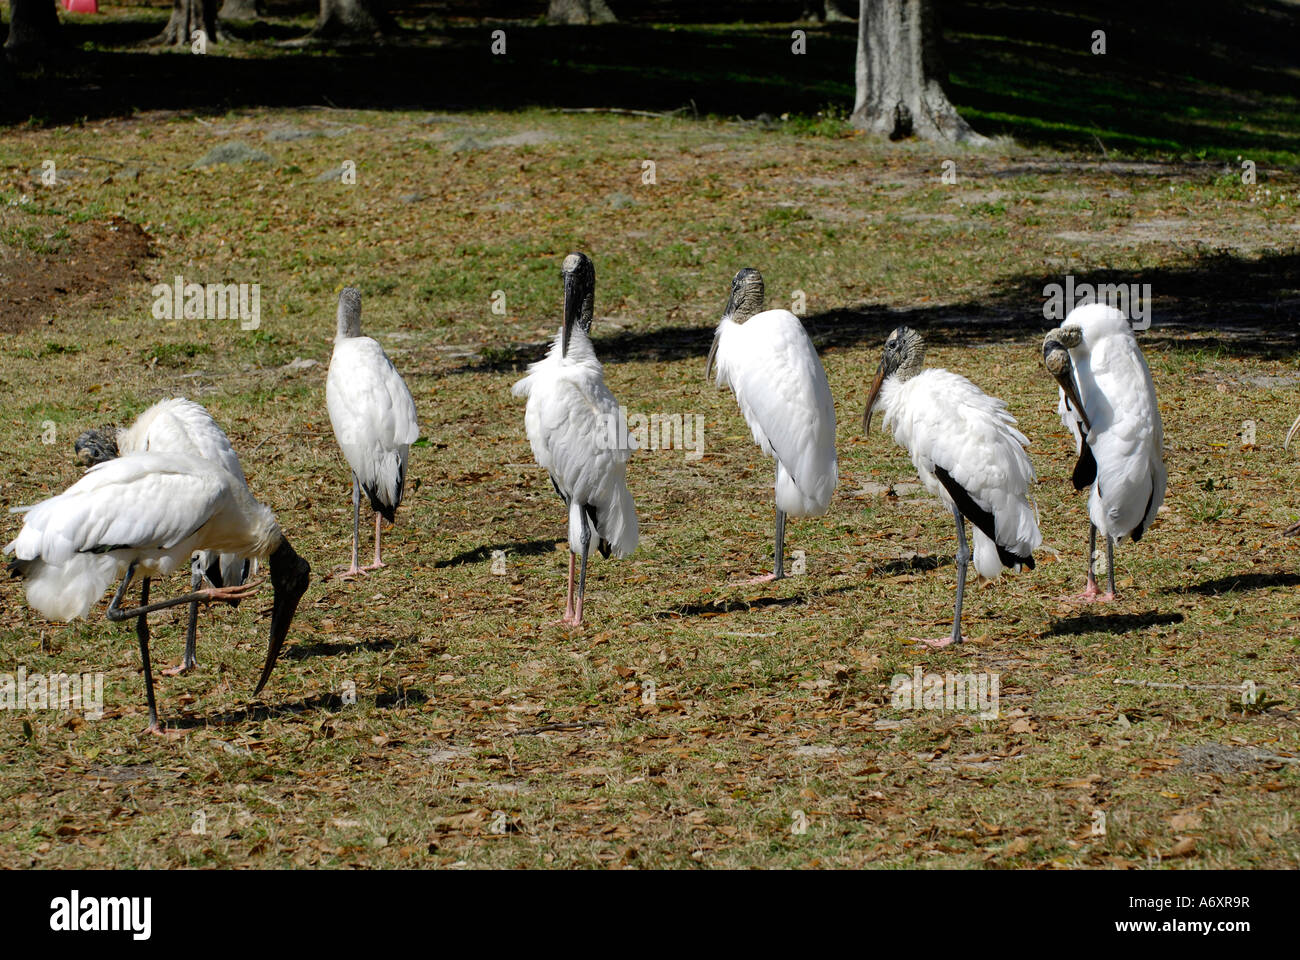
[182,426]
[1108,401]
[373,415]
[967,452]
[568,419]
[148,513]
[772,367]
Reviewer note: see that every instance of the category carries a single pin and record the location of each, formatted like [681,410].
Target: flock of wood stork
[170,488]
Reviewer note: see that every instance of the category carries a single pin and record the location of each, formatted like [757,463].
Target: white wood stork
[177,426]
[373,415]
[568,419]
[968,453]
[1108,401]
[148,513]
[772,367]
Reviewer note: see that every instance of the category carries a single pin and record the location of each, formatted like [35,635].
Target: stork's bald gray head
[579,296]
[746,295]
[1056,358]
[349,315]
[903,357]
[96,446]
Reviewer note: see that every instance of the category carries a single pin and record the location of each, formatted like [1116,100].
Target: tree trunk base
[929,116]
[581,13]
[241,10]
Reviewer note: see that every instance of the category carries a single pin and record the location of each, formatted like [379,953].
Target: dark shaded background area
[1194,76]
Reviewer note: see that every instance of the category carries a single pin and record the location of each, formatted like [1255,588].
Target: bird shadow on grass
[895,568]
[719,607]
[325,648]
[1236,582]
[482,554]
[386,699]
[1111,623]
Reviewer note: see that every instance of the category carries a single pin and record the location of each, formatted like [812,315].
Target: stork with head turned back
[967,451]
[1108,401]
[373,415]
[177,426]
[772,367]
[568,419]
[148,513]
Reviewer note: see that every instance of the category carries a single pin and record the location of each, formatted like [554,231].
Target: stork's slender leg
[568,603]
[582,570]
[1110,571]
[378,562]
[963,560]
[354,570]
[189,661]
[778,549]
[142,634]
[1091,593]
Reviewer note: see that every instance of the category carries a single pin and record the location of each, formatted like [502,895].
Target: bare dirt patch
[94,260]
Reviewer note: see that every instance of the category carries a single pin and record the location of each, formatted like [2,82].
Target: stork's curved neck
[913,364]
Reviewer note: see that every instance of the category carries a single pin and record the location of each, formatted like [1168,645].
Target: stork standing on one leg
[576,434]
[968,453]
[177,426]
[772,367]
[147,514]
[1108,401]
[373,415]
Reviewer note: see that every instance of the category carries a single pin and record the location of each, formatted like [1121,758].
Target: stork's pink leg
[378,562]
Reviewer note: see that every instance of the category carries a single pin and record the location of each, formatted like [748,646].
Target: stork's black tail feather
[981,518]
[1085,470]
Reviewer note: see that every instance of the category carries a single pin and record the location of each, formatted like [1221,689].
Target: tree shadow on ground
[1021,68]
[1237,582]
[1245,307]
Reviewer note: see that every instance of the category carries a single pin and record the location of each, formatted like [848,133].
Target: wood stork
[374,421]
[573,426]
[968,453]
[773,369]
[148,513]
[1108,401]
[177,426]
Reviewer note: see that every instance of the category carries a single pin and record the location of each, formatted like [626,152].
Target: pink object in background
[81,6]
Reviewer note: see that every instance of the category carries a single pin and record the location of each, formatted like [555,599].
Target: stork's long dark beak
[871,398]
[713,352]
[1057,360]
[573,295]
[1290,434]
[290,575]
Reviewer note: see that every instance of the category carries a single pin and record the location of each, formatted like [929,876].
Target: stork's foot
[241,591]
[348,573]
[1091,594]
[180,669]
[570,620]
[158,730]
[377,565]
[936,644]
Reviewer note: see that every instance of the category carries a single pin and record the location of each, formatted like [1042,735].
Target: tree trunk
[33,29]
[189,16]
[827,11]
[241,10]
[579,12]
[900,74]
[344,20]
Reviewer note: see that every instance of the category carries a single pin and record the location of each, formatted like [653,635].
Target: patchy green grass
[483,734]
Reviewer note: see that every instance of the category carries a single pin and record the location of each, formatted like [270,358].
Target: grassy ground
[484,735]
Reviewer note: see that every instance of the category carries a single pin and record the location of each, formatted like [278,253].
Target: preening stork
[573,426]
[148,513]
[967,451]
[373,415]
[772,367]
[177,426]
[1108,401]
